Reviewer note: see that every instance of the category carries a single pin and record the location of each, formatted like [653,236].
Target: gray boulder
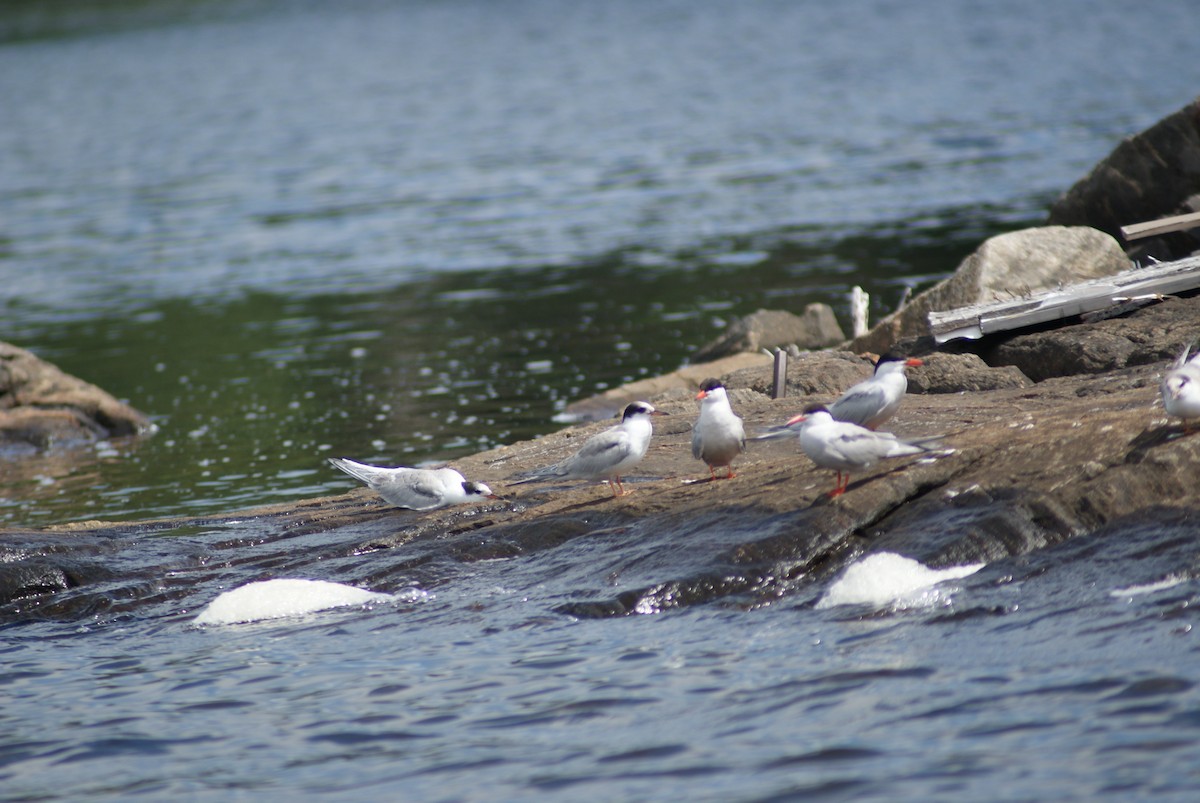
[1004,267]
[815,328]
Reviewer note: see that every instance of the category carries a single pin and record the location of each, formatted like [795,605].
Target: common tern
[873,401]
[718,436]
[608,454]
[1181,388]
[415,488]
[846,447]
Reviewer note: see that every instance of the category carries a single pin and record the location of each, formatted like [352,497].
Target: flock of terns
[843,437]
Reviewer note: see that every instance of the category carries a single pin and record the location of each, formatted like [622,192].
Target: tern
[718,436]
[1181,388]
[415,488]
[873,401]
[846,447]
[608,454]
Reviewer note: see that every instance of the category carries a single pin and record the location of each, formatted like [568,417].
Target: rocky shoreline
[1050,434]
[1032,465]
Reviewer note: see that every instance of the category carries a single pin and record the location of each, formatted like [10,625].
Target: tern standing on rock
[1181,389]
[718,436]
[846,447]
[608,454]
[415,488]
[873,401]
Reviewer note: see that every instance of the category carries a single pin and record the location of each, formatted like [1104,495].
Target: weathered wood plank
[1136,231]
[979,320]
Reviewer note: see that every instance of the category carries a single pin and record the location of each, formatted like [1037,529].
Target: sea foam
[274,599]
[886,578]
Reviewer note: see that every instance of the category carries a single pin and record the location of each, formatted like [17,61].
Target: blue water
[1059,675]
[406,231]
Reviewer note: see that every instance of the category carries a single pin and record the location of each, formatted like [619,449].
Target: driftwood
[1136,231]
[1131,286]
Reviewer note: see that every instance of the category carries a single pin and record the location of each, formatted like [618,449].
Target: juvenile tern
[718,436]
[1181,388]
[873,401]
[415,488]
[846,447]
[608,454]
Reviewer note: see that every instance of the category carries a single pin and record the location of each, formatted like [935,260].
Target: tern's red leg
[842,485]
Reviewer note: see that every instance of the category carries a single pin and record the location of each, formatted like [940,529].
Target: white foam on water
[1170,581]
[886,578]
[275,599]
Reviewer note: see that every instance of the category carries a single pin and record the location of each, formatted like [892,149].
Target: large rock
[1003,267]
[1156,333]
[41,406]
[963,373]
[816,328]
[1151,175]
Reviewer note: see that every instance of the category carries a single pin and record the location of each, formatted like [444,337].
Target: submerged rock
[41,406]
[1003,267]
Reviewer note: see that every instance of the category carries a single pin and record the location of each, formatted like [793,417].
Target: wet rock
[41,406]
[816,328]
[1005,266]
[1148,176]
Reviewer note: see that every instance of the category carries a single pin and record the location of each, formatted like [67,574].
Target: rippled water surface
[406,231]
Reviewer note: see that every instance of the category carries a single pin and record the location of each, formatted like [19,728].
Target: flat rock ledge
[1026,466]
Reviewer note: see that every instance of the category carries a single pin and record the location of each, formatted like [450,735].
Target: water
[1065,674]
[408,231]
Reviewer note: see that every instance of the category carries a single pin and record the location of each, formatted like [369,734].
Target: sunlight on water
[1150,588]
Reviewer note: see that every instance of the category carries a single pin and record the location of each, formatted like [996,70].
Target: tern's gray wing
[1182,359]
[416,489]
[600,454]
[866,448]
[860,404]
